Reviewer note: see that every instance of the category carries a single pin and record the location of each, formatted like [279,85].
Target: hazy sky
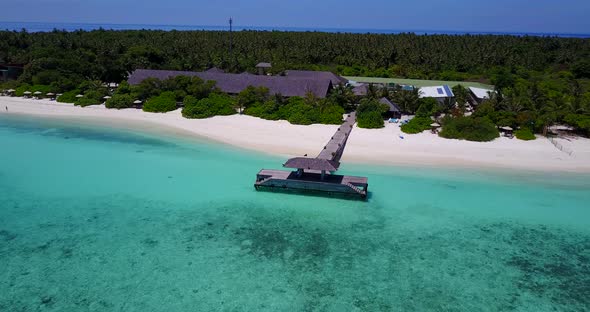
[571,16]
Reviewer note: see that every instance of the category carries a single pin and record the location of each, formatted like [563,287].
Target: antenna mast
[231,22]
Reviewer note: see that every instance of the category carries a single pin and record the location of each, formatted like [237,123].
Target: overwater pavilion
[317,174]
[313,165]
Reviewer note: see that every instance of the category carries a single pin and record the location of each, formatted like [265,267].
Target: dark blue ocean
[45,27]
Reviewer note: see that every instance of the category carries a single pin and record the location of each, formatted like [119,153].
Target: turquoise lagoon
[99,219]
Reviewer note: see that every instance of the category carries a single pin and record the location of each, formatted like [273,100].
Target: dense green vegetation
[417,125]
[68,97]
[120,101]
[214,105]
[579,121]
[93,93]
[540,81]
[524,134]
[469,128]
[64,59]
[300,111]
[21,89]
[165,102]
[370,114]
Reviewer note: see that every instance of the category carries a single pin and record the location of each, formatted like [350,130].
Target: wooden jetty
[316,174]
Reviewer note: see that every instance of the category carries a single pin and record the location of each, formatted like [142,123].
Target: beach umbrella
[435,125]
[27,92]
[37,93]
[106,97]
[137,102]
[506,128]
[50,94]
[11,90]
[79,96]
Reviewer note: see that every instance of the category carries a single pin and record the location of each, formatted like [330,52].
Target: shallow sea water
[98,219]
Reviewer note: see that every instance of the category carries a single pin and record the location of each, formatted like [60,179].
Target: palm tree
[408,100]
[372,91]
[344,96]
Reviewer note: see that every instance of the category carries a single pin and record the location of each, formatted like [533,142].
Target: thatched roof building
[317,75]
[312,164]
[393,108]
[288,86]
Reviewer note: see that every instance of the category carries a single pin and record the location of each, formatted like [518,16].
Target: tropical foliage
[540,81]
[119,101]
[296,110]
[162,103]
[417,125]
[64,59]
[469,128]
[370,114]
[524,134]
[214,105]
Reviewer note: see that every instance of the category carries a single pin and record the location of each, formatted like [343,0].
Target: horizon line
[304,28]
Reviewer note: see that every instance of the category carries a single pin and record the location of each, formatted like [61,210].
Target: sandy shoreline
[379,147]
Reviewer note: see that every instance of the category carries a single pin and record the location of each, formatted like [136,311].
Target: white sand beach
[380,146]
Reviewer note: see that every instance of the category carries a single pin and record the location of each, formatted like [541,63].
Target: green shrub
[578,121]
[370,120]
[119,101]
[417,125]
[252,96]
[331,114]
[370,114]
[297,110]
[524,134]
[44,89]
[68,97]
[268,110]
[469,128]
[162,103]
[87,102]
[214,105]
[428,107]
[300,118]
[91,97]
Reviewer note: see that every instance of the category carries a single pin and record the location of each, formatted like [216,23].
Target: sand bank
[381,146]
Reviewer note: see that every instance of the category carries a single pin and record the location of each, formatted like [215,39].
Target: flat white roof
[480,93]
[436,92]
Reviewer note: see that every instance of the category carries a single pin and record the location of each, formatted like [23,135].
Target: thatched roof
[235,83]
[317,75]
[360,90]
[392,106]
[312,164]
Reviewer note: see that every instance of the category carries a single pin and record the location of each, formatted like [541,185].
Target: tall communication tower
[231,22]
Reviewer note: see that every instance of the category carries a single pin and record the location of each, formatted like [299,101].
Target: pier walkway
[316,174]
[335,147]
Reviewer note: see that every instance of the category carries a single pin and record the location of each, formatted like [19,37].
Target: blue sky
[564,16]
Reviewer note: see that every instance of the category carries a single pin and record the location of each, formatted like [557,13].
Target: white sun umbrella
[27,92]
[137,102]
[435,125]
[11,90]
[79,96]
[50,94]
[107,97]
[37,93]
[506,128]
